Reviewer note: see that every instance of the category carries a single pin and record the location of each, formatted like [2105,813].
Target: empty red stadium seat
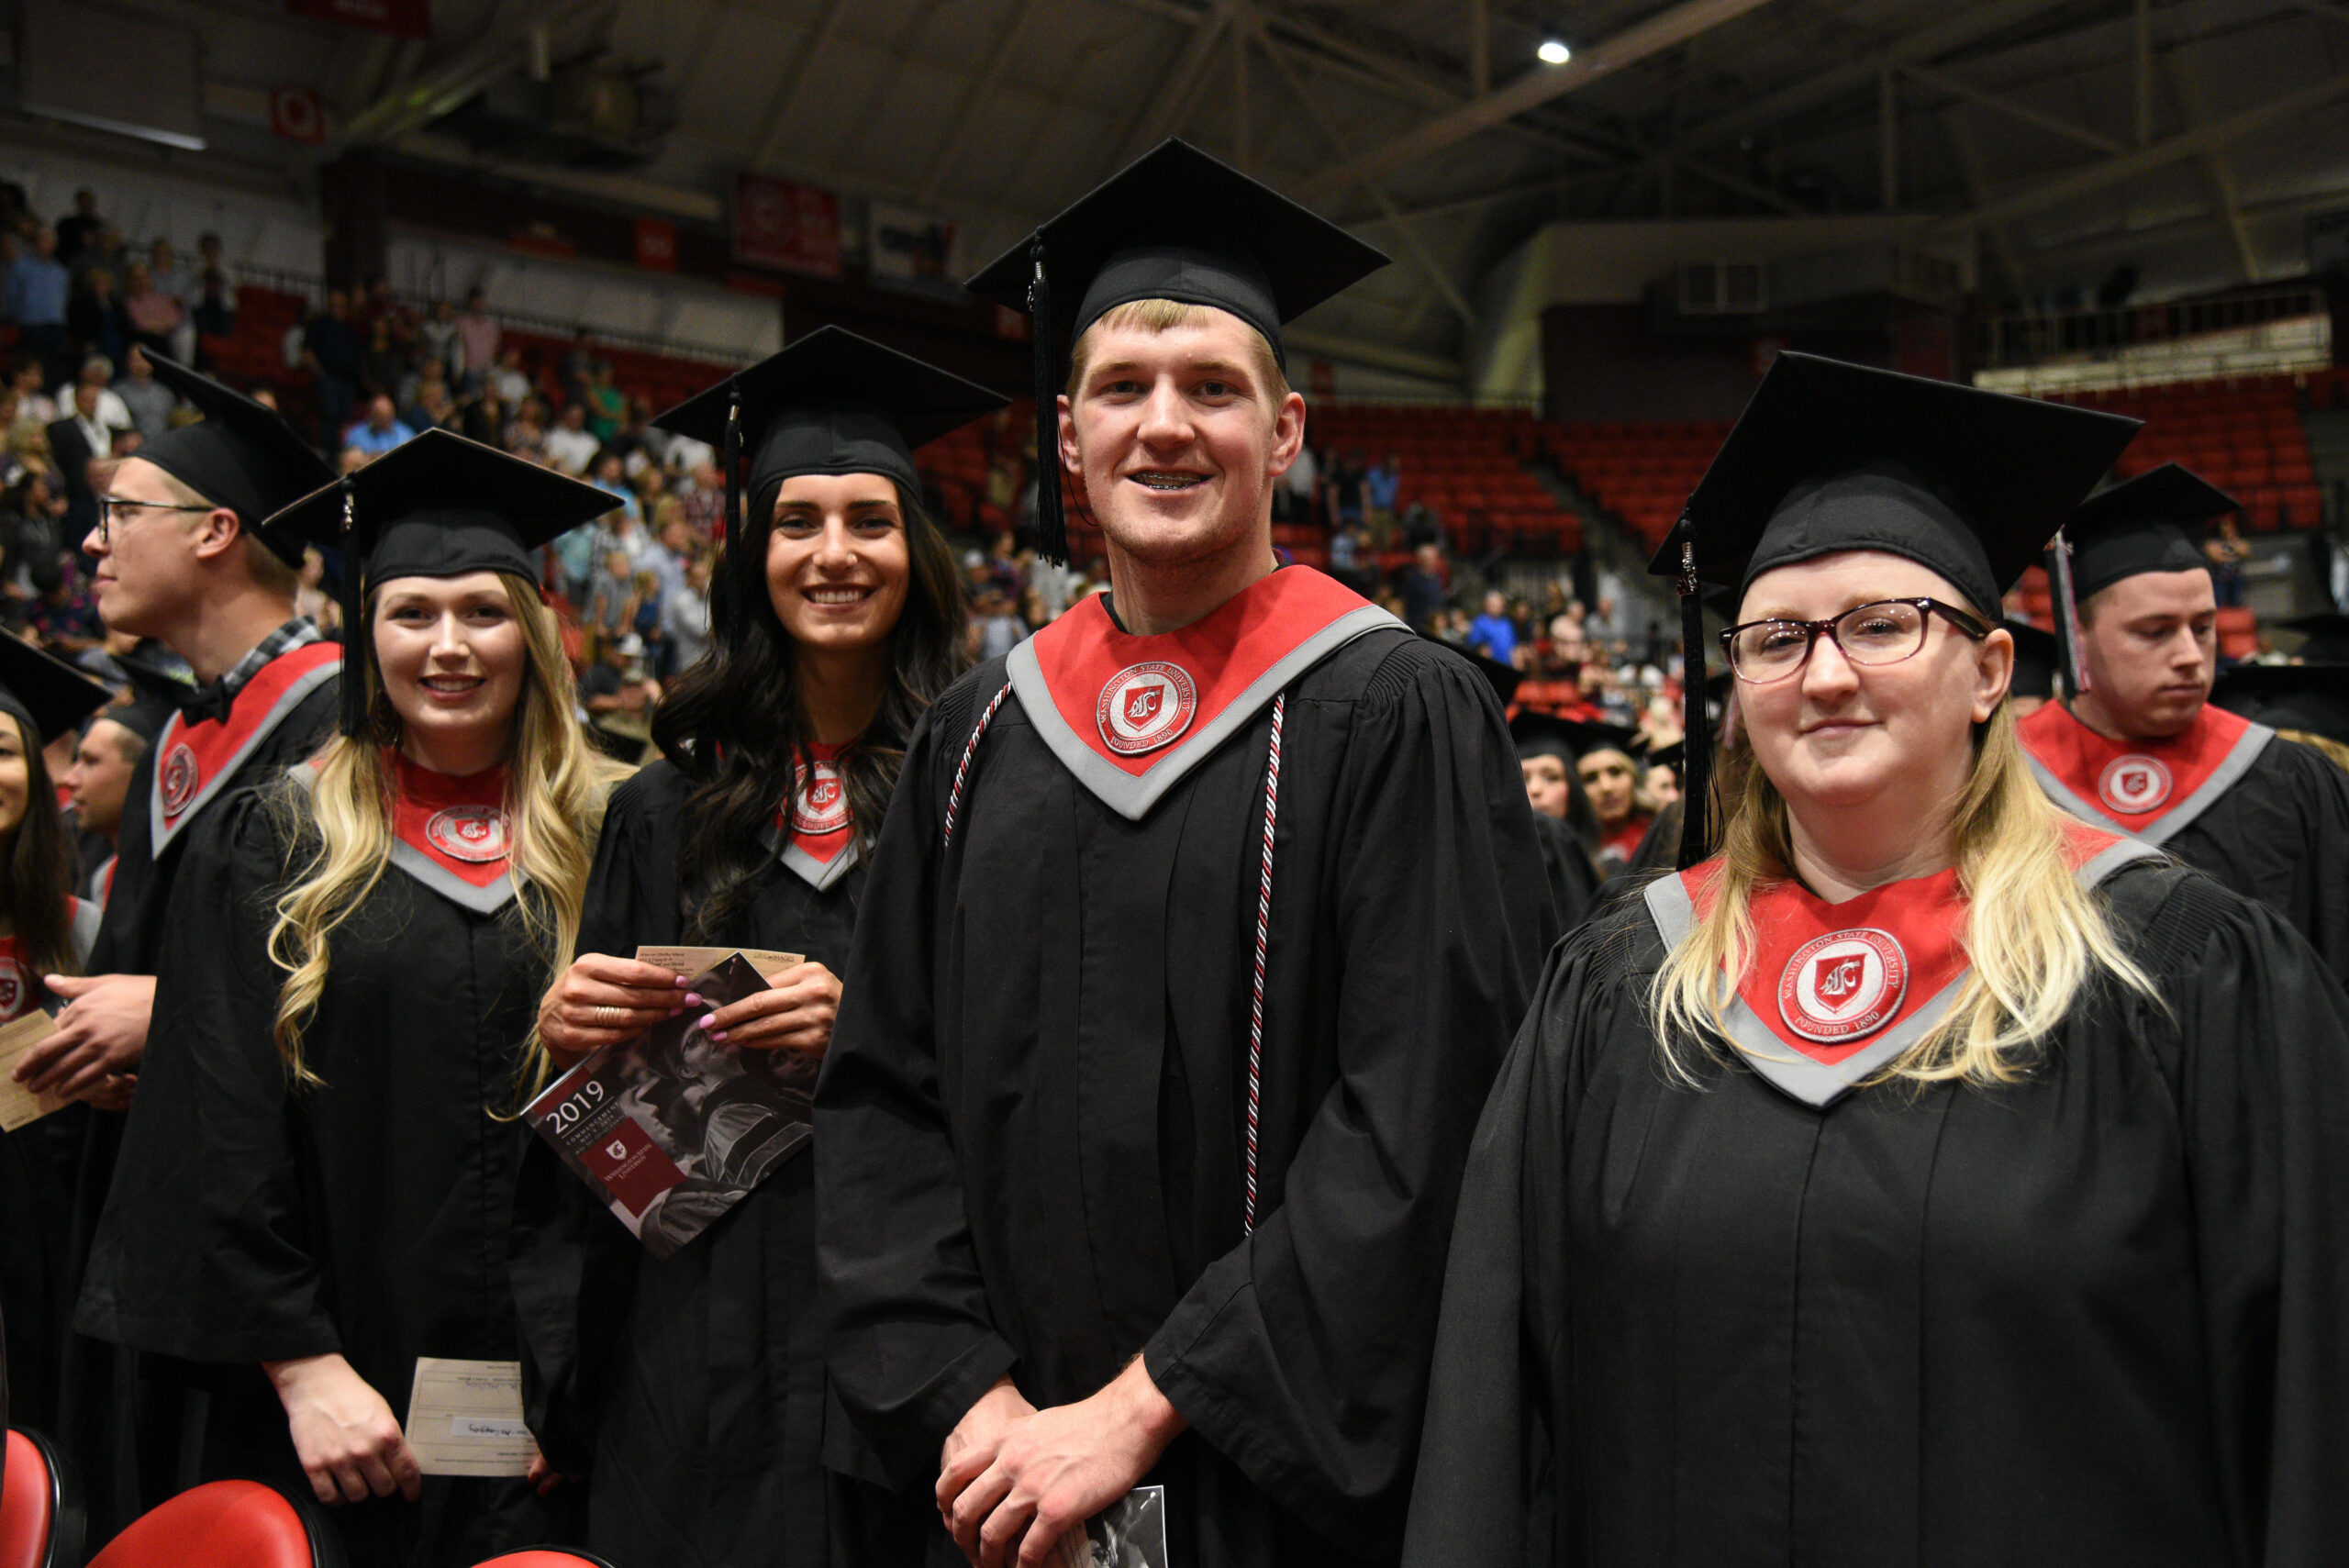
[547,1557]
[41,1521]
[225,1524]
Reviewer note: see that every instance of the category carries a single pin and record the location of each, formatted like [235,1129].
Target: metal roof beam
[2000,103]
[2108,172]
[1529,91]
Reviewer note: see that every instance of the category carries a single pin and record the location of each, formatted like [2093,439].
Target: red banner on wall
[778,224]
[401,19]
[656,244]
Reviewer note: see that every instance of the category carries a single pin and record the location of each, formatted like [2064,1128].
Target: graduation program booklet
[672,1128]
[19,1107]
[1129,1533]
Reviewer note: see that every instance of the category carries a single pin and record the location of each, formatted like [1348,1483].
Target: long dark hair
[39,865]
[732,724]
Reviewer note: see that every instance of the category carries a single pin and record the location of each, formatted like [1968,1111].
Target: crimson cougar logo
[1840,987]
[14,989]
[474,834]
[178,779]
[2133,784]
[820,803]
[1145,706]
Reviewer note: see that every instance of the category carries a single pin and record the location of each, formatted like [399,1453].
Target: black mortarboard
[438,505]
[49,695]
[1829,456]
[1670,756]
[144,716]
[2151,523]
[1505,678]
[1175,224]
[241,455]
[1547,734]
[2036,655]
[831,402]
[2324,637]
[2313,698]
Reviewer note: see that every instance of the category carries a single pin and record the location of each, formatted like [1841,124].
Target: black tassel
[735,595]
[1052,527]
[1696,762]
[356,686]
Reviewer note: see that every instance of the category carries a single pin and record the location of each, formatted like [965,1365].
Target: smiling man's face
[1178,434]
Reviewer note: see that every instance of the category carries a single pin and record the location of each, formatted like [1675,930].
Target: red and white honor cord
[1264,940]
[1263,911]
[963,768]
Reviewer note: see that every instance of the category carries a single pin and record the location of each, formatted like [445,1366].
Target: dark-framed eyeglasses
[1884,632]
[108,506]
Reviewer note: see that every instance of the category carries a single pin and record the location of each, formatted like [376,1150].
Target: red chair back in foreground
[547,1557]
[225,1524]
[41,1521]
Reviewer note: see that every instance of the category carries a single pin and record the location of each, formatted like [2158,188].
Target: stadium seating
[2243,436]
[1467,465]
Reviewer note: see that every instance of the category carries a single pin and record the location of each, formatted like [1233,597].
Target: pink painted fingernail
[719,1036]
[675,1011]
[692,1000]
[685,980]
[706,1019]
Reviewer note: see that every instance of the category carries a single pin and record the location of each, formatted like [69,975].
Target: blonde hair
[2034,937]
[1164,316]
[554,794]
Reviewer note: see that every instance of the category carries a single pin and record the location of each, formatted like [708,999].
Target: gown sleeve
[1486,1490]
[203,1251]
[2263,1093]
[1301,1354]
[571,1264]
[2323,795]
[911,1342]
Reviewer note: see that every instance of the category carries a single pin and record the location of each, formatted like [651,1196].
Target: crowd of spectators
[374,370]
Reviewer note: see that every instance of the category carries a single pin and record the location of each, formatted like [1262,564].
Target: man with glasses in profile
[181,558]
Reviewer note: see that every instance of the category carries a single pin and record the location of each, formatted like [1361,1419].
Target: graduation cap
[438,505]
[1672,756]
[2313,698]
[1547,734]
[1829,456]
[47,695]
[2324,637]
[1505,678]
[830,402]
[2151,523]
[2036,659]
[1175,224]
[144,714]
[241,455]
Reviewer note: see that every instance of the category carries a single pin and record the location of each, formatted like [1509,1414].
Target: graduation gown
[1574,879]
[1031,1126]
[690,1390]
[367,1216]
[2264,816]
[185,780]
[2093,1317]
[38,1163]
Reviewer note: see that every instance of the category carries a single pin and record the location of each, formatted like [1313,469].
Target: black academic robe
[1572,878]
[368,1215]
[1030,1126]
[2095,1316]
[2275,829]
[690,1390]
[280,718]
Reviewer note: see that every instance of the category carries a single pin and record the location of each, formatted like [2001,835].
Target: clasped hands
[602,999]
[1013,1479]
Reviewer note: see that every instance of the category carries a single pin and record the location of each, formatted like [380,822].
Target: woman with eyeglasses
[1921,1176]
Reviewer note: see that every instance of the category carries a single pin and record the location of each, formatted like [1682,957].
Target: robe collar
[2148,789]
[812,834]
[452,834]
[1832,993]
[194,761]
[1130,716]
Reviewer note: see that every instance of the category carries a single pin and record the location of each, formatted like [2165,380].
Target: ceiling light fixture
[1553,53]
